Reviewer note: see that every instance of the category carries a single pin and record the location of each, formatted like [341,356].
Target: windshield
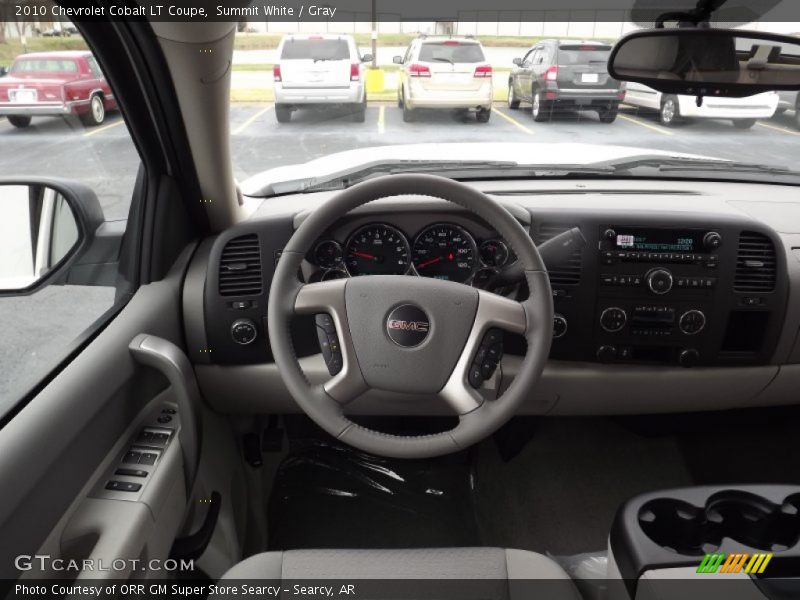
[315,49]
[453,52]
[30,65]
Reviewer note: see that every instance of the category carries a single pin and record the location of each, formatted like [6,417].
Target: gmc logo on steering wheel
[420,326]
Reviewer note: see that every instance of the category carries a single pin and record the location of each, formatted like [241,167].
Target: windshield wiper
[447,60]
[666,164]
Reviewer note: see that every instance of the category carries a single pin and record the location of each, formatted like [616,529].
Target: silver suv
[445,73]
[314,70]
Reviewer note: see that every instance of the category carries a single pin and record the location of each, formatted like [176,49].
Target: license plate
[24,96]
[590,78]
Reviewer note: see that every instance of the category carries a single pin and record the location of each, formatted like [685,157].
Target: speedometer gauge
[445,251]
[377,250]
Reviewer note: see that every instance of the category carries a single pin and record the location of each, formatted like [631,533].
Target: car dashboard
[680,299]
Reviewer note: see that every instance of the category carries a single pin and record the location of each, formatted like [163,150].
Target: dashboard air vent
[755,263]
[240,267]
[568,273]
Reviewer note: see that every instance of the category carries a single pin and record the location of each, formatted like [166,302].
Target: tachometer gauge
[494,253]
[377,250]
[445,251]
[328,254]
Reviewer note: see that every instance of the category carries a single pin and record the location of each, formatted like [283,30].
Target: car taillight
[276,73]
[551,74]
[483,71]
[355,72]
[416,70]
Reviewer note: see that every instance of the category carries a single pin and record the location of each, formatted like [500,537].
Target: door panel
[51,448]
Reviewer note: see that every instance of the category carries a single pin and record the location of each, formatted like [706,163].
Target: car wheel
[399,100]
[541,110]
[513,102]
[283,113]
[483,115]
[359,114]
[409,116]
[19,121]
[97,112]
[608,114]
[670,112]
[744,123]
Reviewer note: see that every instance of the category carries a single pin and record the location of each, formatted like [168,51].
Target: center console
[750,533]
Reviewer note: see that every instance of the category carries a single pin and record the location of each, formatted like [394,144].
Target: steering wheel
[408,334]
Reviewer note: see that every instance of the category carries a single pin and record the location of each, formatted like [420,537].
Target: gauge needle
[363,255]
[427,263]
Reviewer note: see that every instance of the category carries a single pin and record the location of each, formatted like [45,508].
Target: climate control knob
[712,240]
[606,354]
[692,322]
[613,319]
[559,326]
[688,358]
[659,281]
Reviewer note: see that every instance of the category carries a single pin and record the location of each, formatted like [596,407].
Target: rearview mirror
[517,61]
[44,228]
[708,62]
[398,60]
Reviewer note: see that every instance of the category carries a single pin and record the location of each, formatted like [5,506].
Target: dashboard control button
[559,326]
[659,281]
[689,358]
[712,240]
[692,322]
[606,354]
[131,472]
[610,234]
[244,332]
[613,319]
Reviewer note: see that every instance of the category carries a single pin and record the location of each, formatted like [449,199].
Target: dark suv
[558,74]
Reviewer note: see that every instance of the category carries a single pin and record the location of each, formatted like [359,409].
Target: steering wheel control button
[692,322]
[244,332]
[123,486]
[329,343]
[131,472]
[169,411]
[613,319]
[407,325]
[659,281]
[164,419]
[559,326]
[487,357]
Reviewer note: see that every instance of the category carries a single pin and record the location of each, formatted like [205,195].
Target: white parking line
[655,128]
[775,128]
[250,121]
[512,120]
[104,128]
[382,119]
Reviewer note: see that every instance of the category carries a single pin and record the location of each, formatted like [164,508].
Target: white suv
[315,70]
[445,73]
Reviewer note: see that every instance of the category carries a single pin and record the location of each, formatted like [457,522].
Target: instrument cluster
[443,251]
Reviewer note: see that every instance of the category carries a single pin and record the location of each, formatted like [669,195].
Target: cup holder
[744,517]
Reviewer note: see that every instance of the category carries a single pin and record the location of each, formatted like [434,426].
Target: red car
[55,83]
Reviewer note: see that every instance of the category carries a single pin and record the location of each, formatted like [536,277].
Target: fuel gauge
[494,253]
[328,254]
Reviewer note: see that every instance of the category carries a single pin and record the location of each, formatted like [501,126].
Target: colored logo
[753,564]
[407,325]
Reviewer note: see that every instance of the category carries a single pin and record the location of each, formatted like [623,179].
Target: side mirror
[708,62]
[3,71]
[517,61]
[46,226]
[398,60]
[367,58]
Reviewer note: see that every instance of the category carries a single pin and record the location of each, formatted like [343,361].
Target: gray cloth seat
[419,563]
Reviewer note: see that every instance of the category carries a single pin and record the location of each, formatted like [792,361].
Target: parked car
[319,70]
[744,112]
[565,74]
[447,73]
[789,101]
[55,83]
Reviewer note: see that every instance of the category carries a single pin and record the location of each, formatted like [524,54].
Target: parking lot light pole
[374,34]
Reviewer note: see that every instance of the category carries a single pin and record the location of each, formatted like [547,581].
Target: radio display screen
[658,240]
